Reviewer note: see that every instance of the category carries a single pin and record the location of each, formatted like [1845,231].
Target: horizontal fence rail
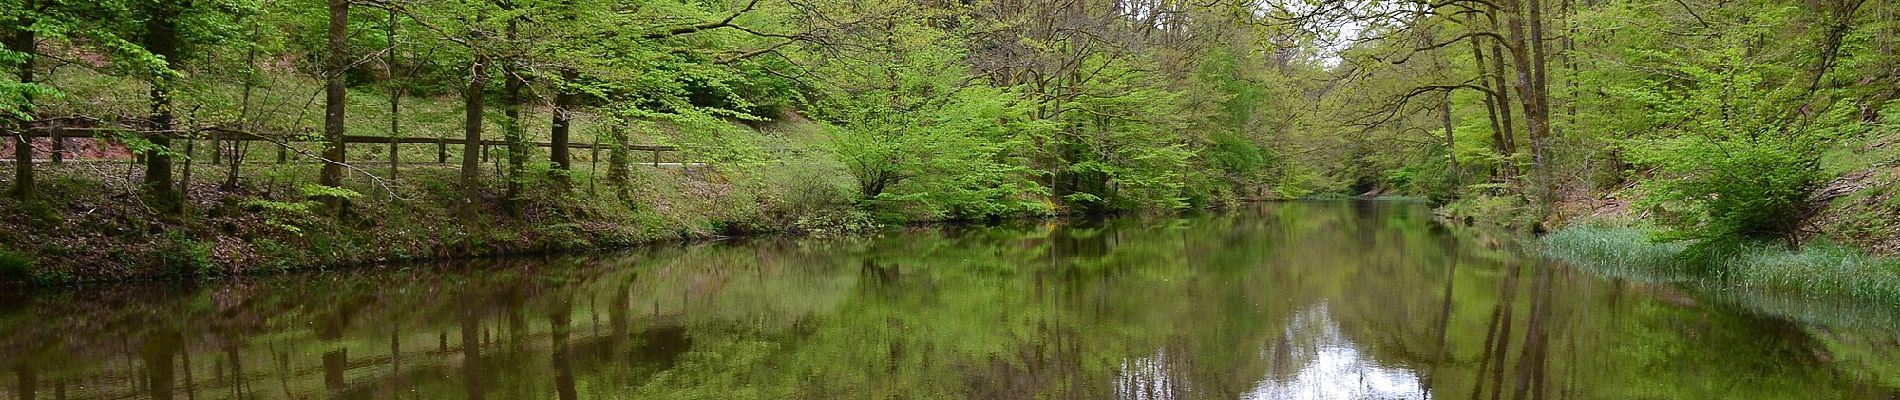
[59,134]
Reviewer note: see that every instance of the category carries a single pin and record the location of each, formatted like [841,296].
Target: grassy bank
[92,224]
[1820,270]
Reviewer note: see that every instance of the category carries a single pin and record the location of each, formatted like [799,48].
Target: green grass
[1817,271]
[1620,253]
[1821,270]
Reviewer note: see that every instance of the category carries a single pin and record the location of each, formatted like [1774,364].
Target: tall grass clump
[1621,253]
[1819,270]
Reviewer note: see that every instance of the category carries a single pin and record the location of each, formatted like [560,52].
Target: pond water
[1341,300]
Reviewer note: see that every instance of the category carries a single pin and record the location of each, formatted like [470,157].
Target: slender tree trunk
[559,153]
[1539,98]
[22,40]
[395,97]
[1451,142]
[161,39]
[1503,98]
[239,147]
[1526,54]
[334,97]
[617,157]
[517,143]
[1490,103]
[473,101]
[184,180]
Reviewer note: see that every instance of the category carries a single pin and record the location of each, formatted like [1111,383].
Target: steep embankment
[1851,238]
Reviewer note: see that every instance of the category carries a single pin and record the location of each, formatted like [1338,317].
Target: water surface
[1281,301]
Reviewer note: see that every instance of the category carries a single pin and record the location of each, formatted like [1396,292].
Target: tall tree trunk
[161,39]
[240,148]
[395,97]
[334,97]
[22,41]
[617,157]
[1503,97]
[1451,142]
[1527,58]
[564,102]
[473,101]
[1490,101]
[517,143]
[1541,138]
[558,152]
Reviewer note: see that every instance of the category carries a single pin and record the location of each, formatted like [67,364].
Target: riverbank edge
[1601,235]
[246,231]
[1818,270]
[92,229]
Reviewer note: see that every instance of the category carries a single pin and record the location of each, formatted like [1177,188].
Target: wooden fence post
[593,164]
[394,160]
[442,151]
[59,142]
[656,158]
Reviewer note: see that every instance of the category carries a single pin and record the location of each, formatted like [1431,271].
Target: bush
[1729,192]
[15,267]
[184,257]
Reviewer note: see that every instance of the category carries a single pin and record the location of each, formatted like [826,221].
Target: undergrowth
[1819,270]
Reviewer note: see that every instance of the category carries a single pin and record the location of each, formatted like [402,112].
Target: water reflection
[1336,369]
[1297,300]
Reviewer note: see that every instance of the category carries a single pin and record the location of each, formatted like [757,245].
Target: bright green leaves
[922,141]
[1733,159]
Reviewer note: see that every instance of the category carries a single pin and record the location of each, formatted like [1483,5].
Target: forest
[156,139]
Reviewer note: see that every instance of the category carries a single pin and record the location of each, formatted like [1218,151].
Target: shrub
[183,256]
[15,267]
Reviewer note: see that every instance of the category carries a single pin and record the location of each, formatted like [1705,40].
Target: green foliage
[14,266]
[1816,271]
[184,256]
[1744,177]
[313,191]
[294,216]
[922,145]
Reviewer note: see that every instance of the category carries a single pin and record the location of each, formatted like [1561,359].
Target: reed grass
[1821,270]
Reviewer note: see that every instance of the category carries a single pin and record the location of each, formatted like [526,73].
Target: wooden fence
[60,134]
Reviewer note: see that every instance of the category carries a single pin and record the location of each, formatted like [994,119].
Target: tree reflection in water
[1285,300]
